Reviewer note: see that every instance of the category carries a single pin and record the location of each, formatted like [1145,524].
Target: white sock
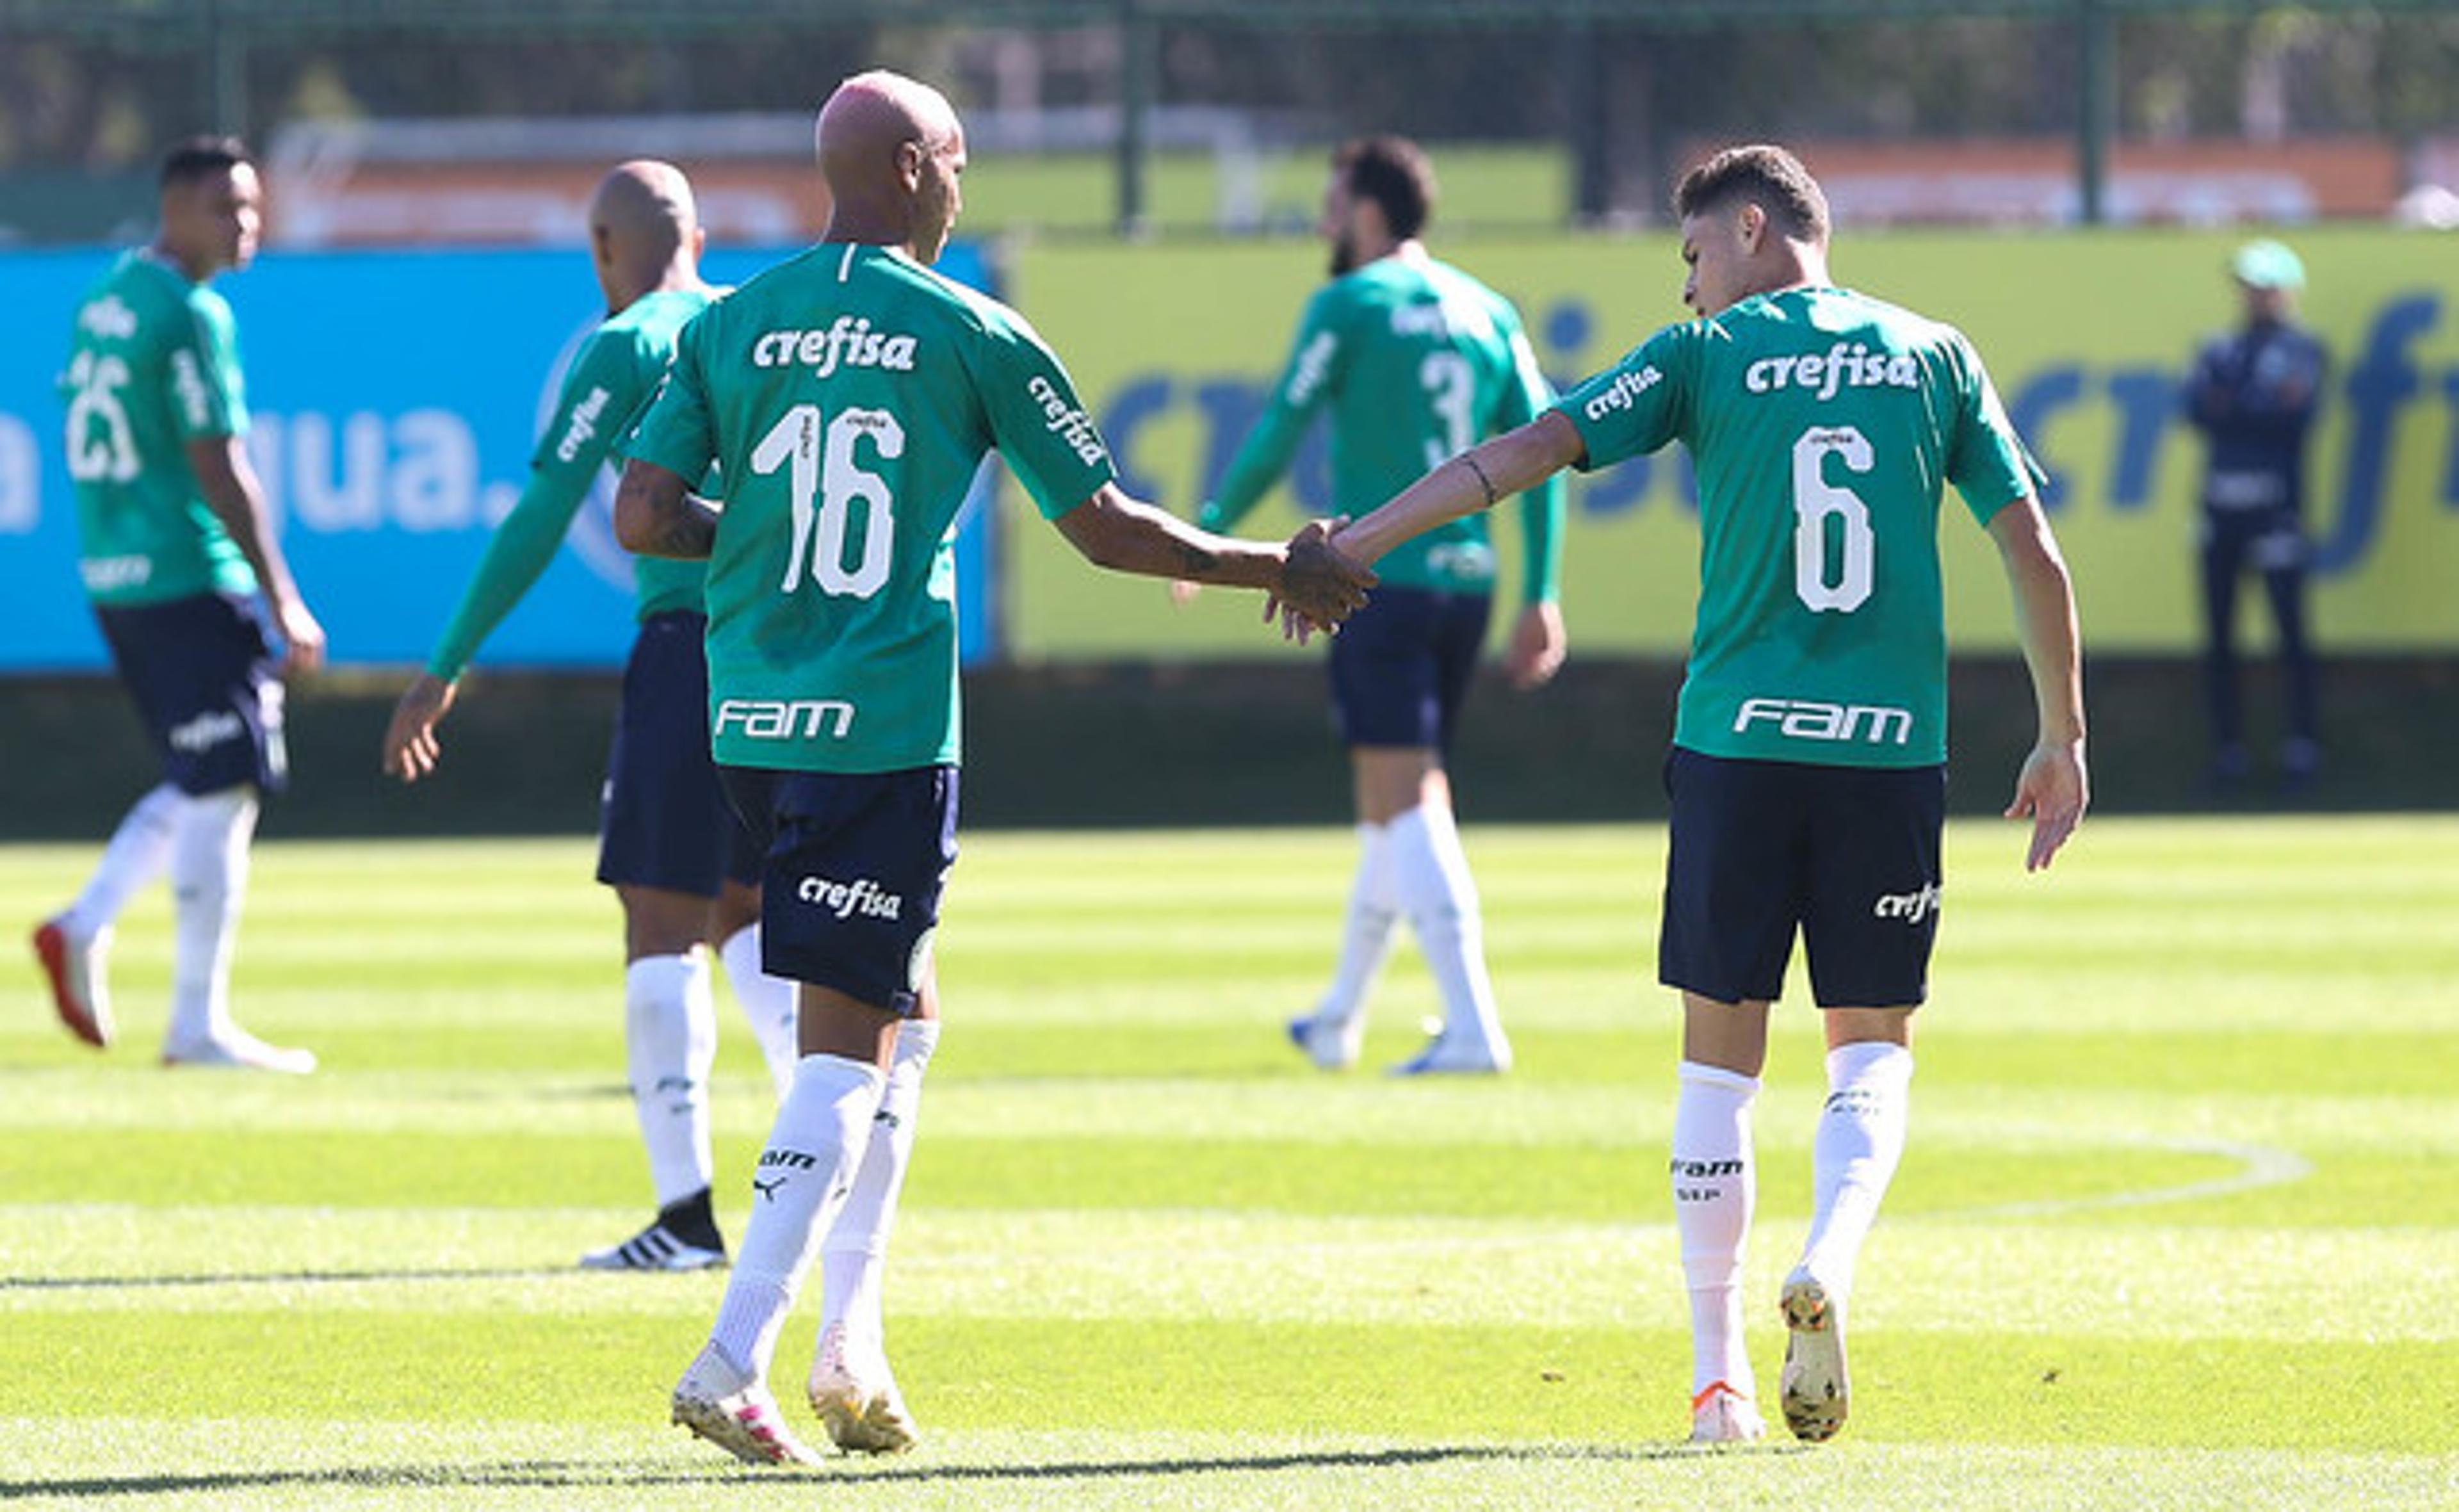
[1861,1139]
[853,1256]
[1716,1183]
[670,1040]
[768,1005]
[139,851]
[809,1160]
[1366,933]
[1430,873]
[208,885]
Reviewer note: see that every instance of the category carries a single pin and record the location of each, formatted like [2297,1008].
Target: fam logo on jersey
[845,899]
[1624,392]
[103,574]
[583,423]
[1910,907]
[108,319]
[1843,366]
[786,719]
[848,342]
[1069,423]
[1808,719]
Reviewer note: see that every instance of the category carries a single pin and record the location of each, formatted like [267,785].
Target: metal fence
[1615,93]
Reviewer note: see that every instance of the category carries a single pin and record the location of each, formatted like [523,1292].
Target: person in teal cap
[2252,394]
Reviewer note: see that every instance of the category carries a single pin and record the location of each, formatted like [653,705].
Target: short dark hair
[201,156]
[1393,172]
[1766,176]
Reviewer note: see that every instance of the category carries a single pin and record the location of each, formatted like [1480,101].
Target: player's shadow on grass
[117,1283]
[575,1475]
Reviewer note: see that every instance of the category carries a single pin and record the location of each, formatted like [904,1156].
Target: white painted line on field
[2263,1166]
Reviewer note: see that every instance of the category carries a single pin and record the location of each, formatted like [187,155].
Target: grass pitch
[2179,1226]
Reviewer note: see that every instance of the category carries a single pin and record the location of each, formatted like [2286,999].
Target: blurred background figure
[193,595]
[2252,394]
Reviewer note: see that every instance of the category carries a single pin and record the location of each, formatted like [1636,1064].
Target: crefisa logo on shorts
[1910,907]
[845,899]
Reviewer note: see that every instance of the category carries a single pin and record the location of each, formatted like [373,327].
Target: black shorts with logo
[1400,667]
[663,819]
[205,679]
[1848,856]
[856,867]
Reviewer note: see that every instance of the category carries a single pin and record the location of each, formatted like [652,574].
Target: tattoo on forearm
[1194,562]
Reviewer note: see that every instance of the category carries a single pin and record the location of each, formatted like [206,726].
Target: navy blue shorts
[662,818]
[1849,856]
[856,865]
[208,685]
[1400,667]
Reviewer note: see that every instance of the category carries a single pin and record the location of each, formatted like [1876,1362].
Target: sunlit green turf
[2178,1227]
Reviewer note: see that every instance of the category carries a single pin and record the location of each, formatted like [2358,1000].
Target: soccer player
[2253,393]
[668,845]
[1808,771]
[849,396]
[182,562]
[1416,361]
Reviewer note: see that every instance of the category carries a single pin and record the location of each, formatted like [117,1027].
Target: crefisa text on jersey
[1070,424]
[1843,366]
[848,342]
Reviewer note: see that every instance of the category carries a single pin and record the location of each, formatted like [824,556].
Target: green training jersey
[1823,426]
[611,379]
[849,396]
[1418,363]
[153,365]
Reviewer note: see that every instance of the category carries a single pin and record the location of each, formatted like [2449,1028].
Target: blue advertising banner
[396,398]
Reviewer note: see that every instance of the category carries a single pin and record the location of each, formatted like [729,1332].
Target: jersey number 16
[826,485]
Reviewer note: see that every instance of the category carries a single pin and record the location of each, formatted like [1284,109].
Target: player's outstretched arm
[2054,786]
[1511,463]
[657,515]
[1126,535]
[234,495]
[410,748]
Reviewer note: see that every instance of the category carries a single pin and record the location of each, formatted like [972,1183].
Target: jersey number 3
[827,486]
[1831,578]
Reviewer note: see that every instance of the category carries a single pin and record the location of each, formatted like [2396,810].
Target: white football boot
[1813,1390]
[1448,1055]
[235,1049]
[734,1410]
[856,1397]
[1722,1415]
[1332,1045]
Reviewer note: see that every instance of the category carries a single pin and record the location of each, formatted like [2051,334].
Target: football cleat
[235,1049]
[1444,1055]
[734,1410]
[655,1248]
[1333,1046]
[1722,1415]
[1814,1391]
[856,1398]
[74,969]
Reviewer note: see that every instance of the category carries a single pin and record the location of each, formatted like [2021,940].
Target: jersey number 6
[1815,504]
